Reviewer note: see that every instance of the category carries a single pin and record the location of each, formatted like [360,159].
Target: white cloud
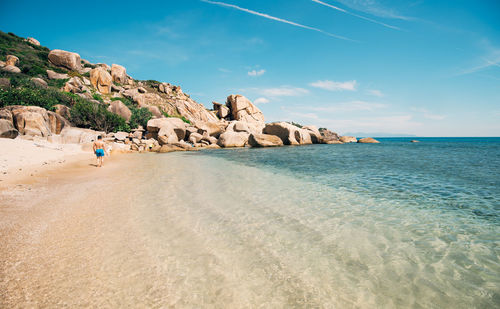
[374,8]
[256,73]
[274,18]
[355,15]
[261,100]
[427,114]
[283,91]
[350,107]
[224,70]
[375,92]
[335,86]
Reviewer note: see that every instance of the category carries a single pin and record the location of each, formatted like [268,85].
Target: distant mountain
[378,134]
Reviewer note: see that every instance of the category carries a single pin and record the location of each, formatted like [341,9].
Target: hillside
[50,93]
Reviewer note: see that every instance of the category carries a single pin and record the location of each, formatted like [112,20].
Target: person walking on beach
[99,149]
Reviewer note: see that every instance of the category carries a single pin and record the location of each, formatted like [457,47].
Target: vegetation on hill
[33,62]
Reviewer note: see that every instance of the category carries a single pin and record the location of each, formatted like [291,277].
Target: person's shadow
[94,165]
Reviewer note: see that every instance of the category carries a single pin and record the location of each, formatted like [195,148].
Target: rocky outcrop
[63,111]
[101,80]
[117,107]
[284,130]
[233,139]
[71,135]
[53,75]
[33,41]
[7,129]
[242,109]
[40,83]
[329,137]
[65,59]
[11,60]
[11,69]
[348,139]
[264,140]
[222,111]
[33,120]
[167,130]
[76,85]
[118,73]
[368,140]
[314,134]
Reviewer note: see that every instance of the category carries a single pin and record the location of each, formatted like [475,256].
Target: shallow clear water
[392,225]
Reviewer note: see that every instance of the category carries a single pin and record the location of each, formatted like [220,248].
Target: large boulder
[368,140]
[7,129]
[11,69]
[242,109]
[303,137]
[211,128]
[117,107]
[65,59]
[283,130]
[33,41]
[63,111]
[11,60]
[221,110]
[101,80]
[170,148]
[56,122]
[53,75]
[195,138]
[233,139]
[348,139]
[71,135]
[314,134]
[167,130]
[118,73]
[40,83]
[31,120]
[329,137]
[264,140]
[155,111]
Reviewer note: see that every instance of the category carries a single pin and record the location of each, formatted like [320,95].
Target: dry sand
[21,159]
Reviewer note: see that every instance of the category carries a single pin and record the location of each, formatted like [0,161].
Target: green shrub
[97,97]
[95,116]
[57,83]
[177,116]
[140,117]
[45,98]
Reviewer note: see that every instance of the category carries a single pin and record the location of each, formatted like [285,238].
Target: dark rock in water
[414,141]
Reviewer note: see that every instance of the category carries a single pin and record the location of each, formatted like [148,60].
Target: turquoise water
[402,224]
[390,225]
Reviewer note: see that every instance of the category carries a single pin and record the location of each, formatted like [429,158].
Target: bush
[95,116]
[45,98]
[140,117]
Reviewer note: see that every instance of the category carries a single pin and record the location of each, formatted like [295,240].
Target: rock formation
[368,140]
[348,139]
[117,107]
[118,73]
[101,80]
[65,59]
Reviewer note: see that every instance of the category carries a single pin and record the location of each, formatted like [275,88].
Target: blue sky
[429,68]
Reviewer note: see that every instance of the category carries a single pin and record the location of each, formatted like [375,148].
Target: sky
[427,68]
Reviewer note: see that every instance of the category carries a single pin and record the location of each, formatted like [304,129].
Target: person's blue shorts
[99,152]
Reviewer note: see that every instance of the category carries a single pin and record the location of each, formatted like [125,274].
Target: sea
[389,225]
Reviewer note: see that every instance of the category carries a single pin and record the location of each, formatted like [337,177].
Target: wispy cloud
[256,73]
[351,106]
[261,100]
[375,92]
[355,15]
[283,91]
[427,114]
[275,18]
[334,86]
[374,8]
